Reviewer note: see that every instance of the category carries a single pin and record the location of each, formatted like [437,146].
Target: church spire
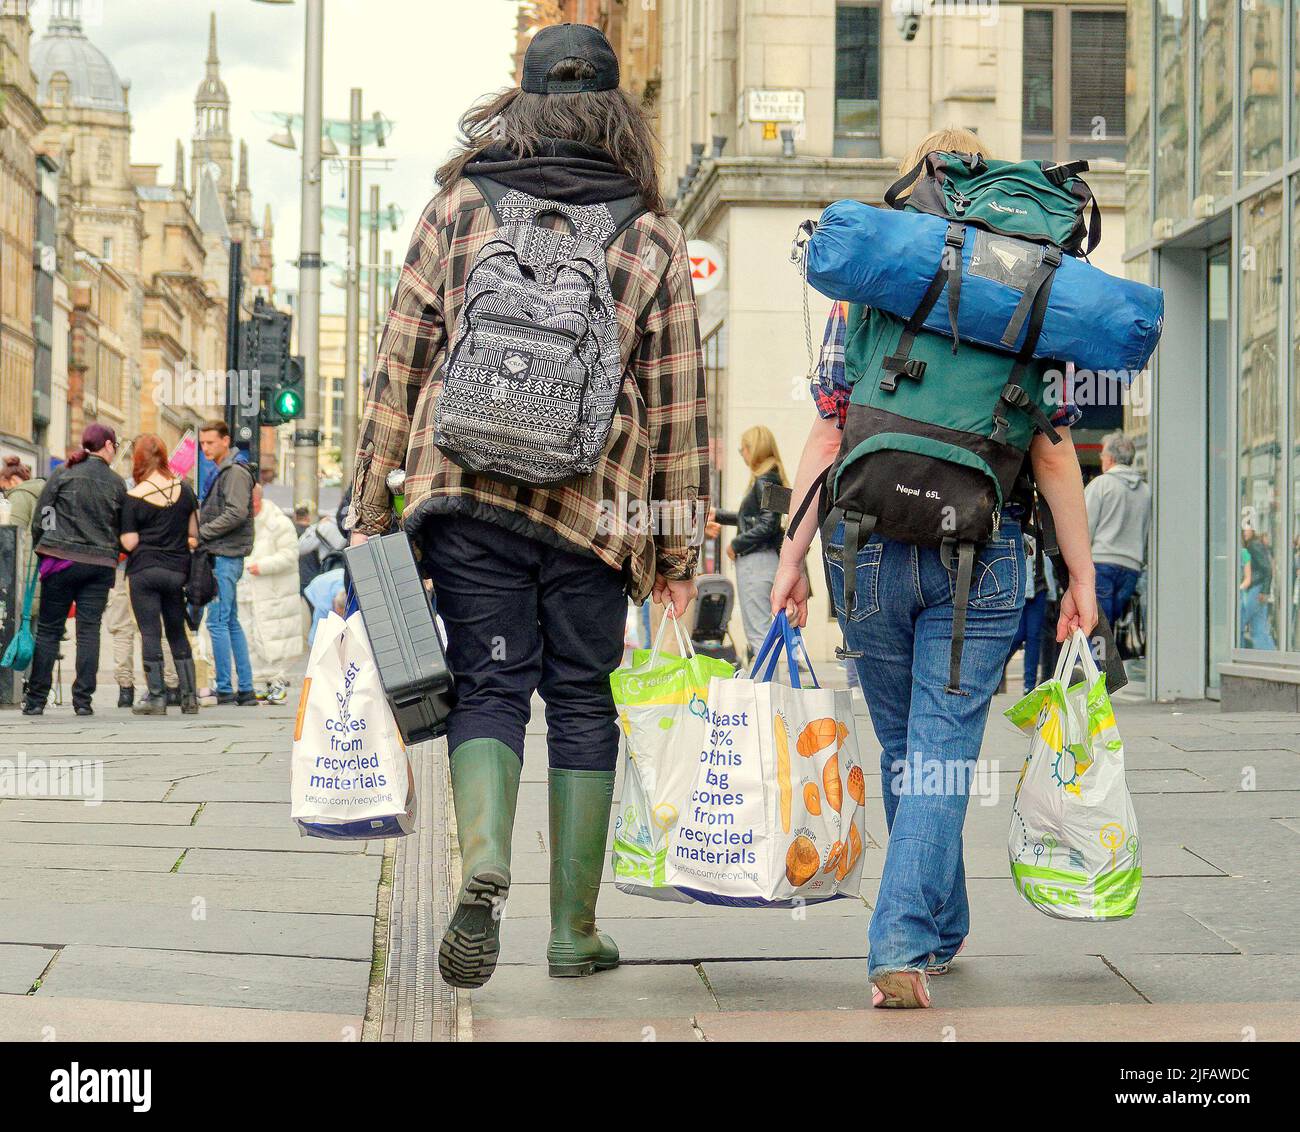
[243,166]
[179,182]
[213,61]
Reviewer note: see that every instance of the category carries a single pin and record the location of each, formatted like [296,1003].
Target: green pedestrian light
[288,404]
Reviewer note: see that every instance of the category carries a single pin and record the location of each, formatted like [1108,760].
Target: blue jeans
[902,625]
[1254,620]
[1030,634]
[224,627]
[1115,587]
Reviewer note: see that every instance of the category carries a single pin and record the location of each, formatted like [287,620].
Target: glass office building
[1213,218]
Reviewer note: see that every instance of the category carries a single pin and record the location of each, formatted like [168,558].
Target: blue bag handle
[770,642]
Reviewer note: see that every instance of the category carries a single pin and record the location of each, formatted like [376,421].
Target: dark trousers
[523,616]
[88,586]
[1029,634]
[1115,588]
[158,602]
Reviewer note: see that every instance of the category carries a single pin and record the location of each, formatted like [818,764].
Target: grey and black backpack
[534,368]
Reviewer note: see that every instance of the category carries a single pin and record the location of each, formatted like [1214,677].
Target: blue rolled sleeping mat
[889,260]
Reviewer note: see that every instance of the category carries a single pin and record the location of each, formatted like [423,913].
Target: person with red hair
[159,529]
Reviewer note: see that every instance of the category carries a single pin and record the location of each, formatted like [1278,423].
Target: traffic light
[264,341]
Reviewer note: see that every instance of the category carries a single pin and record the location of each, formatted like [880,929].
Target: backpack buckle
[1052,256]
[1000,426]
[896,367]
[1015,395]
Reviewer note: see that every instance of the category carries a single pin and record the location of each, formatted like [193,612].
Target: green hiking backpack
[1031,200]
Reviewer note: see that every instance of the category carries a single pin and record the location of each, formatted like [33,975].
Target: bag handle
[683,639]
[782,637]
[1078,650]
[29,593]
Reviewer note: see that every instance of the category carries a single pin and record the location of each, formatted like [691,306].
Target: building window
[857,80]
[107,252]
[1072,94]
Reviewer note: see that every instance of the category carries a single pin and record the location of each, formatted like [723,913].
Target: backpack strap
[1050,262]
[818,486]
[1014,394]
[625,212]
[857,529]
[901,363]
[903,182]
[492,192]
[965,555]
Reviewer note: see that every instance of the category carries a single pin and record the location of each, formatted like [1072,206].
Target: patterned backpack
[534,368]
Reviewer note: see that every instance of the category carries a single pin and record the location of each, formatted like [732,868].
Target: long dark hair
[605,119]
[93,440]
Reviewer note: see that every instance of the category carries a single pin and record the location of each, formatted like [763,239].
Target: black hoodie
[564,171]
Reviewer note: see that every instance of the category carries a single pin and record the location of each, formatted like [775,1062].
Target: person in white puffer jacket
[269,601]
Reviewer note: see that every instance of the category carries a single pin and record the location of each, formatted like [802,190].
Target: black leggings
[158,602]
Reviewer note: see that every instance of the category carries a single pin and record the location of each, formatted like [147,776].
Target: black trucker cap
[558,42]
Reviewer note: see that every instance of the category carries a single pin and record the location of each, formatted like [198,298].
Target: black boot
[174,696]
[125,695]
[156,702]
[188,687]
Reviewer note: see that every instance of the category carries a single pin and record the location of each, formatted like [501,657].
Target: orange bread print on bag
[857,786]
[801,861]
[812,800]
[833,856]
[831,783]
[783,769]
[818,734]
[850,858]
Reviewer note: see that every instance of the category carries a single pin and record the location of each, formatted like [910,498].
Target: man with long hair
[532,579]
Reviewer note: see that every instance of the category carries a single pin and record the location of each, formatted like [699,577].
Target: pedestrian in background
[902,643]
[532,580]
[20,489]
[756,548]
[226,532]
[321,593]
[75,528]
[320,548]
[159,530]
[269,598]
[1256,587]
[1119,516]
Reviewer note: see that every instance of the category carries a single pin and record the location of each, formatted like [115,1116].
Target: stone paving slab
[343,868]
[255,891]
[124,813]
[21,966]
[37,921]
[109,858]
[534,1029]
[281,838]
[34,1018]
[1212,978]
[262,982]
[627,992]
[246,815]
[837,984]
[212,788]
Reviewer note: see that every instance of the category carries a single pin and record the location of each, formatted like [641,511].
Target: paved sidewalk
[185,906]
[1210,953]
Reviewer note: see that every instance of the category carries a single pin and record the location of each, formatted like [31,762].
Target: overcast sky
[421,62]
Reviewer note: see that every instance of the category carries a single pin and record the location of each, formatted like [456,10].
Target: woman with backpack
[160,527]
[899,629]
[540,380]
[75,529]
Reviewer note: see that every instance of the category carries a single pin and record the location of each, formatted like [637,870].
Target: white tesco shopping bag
[1073,841]
[662,709]
[351,778]
[775,813]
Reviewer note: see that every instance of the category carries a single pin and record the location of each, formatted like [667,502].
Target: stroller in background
[714,601]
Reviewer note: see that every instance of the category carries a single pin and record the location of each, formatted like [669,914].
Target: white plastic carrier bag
[662,710]
[775,813]
[1073,842]
[351,778]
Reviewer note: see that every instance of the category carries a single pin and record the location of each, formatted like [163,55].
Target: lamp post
[306,437]
[351,369]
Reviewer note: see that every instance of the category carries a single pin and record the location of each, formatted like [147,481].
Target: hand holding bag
[775,816]
[1073,841]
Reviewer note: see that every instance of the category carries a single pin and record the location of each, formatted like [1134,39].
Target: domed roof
[65,50]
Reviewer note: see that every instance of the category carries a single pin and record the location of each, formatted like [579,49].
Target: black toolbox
[398,616]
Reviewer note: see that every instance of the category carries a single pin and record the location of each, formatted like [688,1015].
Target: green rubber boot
[484,788]
[579,806]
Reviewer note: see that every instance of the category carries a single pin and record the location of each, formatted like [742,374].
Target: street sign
[775,106]
[706,265]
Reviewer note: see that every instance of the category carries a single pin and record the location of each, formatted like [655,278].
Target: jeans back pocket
[866,577]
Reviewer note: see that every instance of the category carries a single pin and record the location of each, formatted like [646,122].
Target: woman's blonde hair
[763,452]
[952,139]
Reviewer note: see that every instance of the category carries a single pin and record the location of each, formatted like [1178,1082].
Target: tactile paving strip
[418,1005]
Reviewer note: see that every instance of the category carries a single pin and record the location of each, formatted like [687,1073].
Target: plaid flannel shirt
[642,510]
[830,388]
